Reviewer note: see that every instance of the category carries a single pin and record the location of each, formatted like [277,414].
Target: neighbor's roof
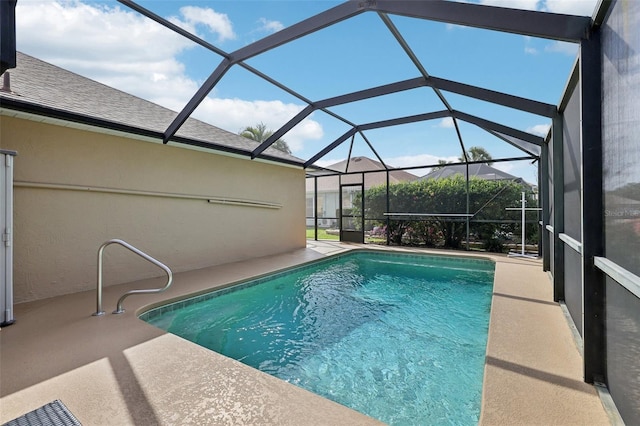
[44,89]
[482,171]
[361,164]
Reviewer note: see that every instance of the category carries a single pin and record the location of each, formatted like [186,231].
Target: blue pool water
[400,338]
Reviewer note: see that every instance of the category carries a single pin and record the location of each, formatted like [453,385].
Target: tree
[441,164]
[478,153]
[260,133]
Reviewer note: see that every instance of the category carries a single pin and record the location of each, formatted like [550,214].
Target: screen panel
[621,135]
[623,350]
[571,168]
[621,185]
[573,285]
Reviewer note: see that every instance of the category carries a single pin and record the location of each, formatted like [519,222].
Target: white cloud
[539,129]
[125,50]
[218,23]
[107,44]
[236,114]
[568,7]
[571,7]
[452,27]
[570,49]
[267,26]
[505,167]
[513,4]
[445,123]
[307,130]
[92,32]
[523,169]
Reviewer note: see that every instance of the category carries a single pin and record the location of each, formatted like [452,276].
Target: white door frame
[6,242]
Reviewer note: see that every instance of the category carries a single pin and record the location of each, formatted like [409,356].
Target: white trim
[549,228]
[625,278]
[574,244]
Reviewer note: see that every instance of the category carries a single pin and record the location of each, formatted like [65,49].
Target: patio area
[116,369]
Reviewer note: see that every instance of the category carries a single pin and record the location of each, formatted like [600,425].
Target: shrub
[487,201]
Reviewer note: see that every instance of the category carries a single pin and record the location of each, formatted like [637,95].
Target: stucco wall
[57,232]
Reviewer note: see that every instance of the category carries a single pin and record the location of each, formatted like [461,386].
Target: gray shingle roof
[361,164]
[58,91]
[364,164]
[482,171]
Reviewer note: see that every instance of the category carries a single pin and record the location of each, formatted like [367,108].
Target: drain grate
[52,414]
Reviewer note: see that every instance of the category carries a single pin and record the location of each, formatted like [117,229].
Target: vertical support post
[558,207]
[340,206]
[7,34]
[523,205]
[467,210]
[315,207]
[592,208]
[388,206]
[543,199]
[539,222]
[362,207]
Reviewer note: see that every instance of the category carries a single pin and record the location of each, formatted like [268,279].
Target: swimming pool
[401,338]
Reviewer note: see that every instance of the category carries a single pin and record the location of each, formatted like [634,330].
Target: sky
[110,43]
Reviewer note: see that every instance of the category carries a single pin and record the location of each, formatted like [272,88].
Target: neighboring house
[329,187]
[478,170]
[91,166]
[482,171]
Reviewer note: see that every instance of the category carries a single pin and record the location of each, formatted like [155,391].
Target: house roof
[44,89]
[482,171]
[361,164]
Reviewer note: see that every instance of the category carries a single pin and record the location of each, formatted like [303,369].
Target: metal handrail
[140,253]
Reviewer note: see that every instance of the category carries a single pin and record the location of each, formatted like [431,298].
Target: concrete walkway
[533,368]
[119,370]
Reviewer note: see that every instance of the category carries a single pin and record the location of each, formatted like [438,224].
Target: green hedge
[487,198]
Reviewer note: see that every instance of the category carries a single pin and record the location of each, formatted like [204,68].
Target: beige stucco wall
[57,232]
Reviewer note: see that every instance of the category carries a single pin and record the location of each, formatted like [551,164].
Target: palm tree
[260,133]
[478,153]
[441,164]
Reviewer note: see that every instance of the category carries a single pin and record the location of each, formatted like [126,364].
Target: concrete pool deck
[117,369]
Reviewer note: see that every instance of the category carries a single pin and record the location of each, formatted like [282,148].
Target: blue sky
[110,43]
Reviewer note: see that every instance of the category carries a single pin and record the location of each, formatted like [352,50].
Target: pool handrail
[140,253]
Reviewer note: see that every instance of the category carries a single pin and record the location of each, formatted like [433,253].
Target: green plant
[493,244]
[260,133]
[488,201]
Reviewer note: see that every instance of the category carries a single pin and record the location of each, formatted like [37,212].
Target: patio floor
[116,369]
